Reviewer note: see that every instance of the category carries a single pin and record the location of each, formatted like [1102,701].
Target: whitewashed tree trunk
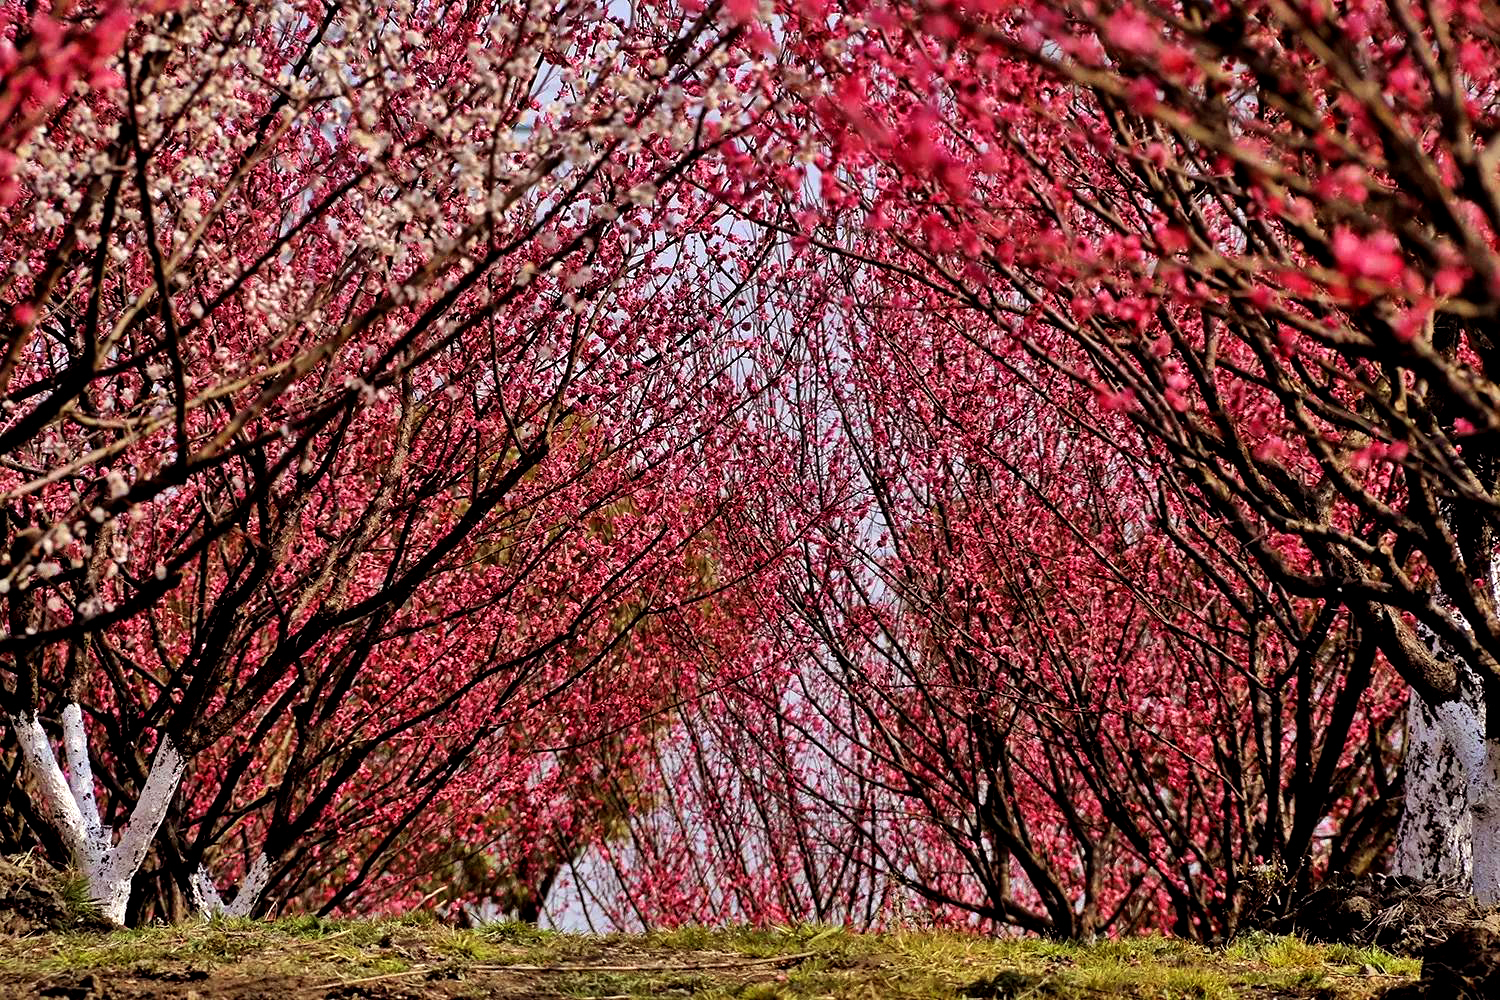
[1450,826]
[108,865]
[1484,805]
[1434,840]
[209,904]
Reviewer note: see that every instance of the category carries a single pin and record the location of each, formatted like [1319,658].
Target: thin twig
[337,983]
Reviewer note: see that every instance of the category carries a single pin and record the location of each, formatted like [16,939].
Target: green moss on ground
[416,959]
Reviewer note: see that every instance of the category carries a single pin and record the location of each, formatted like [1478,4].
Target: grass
[420,959]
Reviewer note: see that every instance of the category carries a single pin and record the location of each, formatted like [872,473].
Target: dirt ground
[51,947]
[416,960]
[401,962]
[327,972]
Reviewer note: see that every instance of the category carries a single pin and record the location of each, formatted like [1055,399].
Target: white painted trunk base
[209,904]
[1450,824]
[107,864]
[1434,840]
[1484,810]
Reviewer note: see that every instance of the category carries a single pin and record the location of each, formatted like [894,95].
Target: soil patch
[415,959]
[1466,966]
[1393,912]
[327,971]
[35,898]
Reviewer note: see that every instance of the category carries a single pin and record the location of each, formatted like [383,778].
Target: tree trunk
[109,866]
[209,903]
[1450,823]
[1434,840]
[1484,809]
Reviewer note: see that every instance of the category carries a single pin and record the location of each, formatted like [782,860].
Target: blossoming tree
[328,329]
[378,379]
[1263,233]
[999,693]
